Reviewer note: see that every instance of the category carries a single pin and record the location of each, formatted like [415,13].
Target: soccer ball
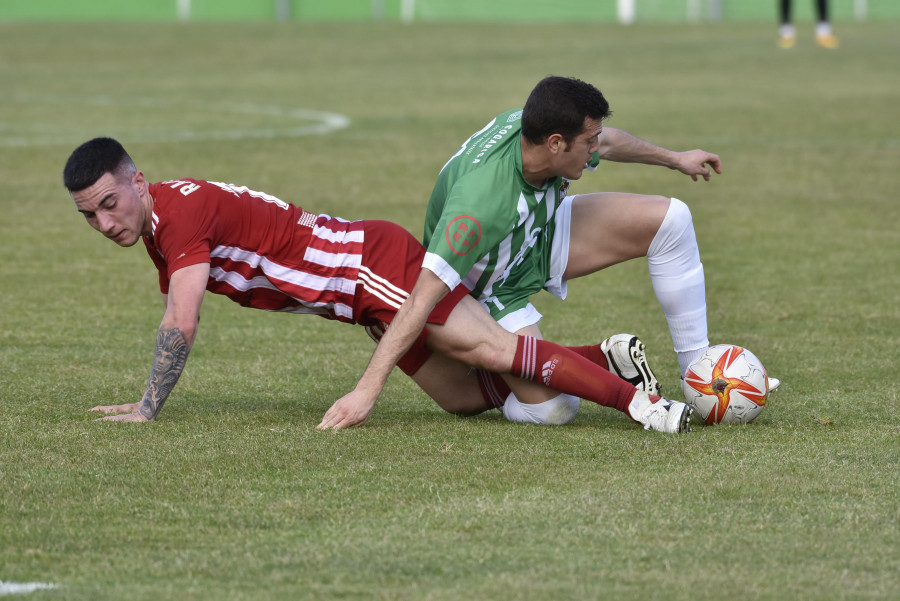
[727,384]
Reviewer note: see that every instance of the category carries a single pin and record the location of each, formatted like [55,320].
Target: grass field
[233,494]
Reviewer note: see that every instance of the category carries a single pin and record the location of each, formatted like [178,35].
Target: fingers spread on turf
[126,408]
[124,417]
[328,421]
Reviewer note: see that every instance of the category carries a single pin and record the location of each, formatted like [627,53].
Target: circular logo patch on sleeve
[463,234]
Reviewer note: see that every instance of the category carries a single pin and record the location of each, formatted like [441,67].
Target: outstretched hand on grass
[120,413]
[124,417]
[126,408]
[352,409]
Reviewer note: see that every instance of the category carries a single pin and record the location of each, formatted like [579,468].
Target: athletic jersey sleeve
[471,225]
[184,231]
[183,226]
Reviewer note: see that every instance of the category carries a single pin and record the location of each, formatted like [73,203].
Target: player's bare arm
[621,147]
[355,407]
[173,343]
[172,348]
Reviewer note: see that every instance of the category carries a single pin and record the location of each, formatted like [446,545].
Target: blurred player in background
[264,253]
[787,33]
[500,222]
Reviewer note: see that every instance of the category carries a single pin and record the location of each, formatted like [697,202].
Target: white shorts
[559,260]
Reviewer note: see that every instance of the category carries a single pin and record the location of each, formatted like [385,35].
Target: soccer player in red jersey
[264,253]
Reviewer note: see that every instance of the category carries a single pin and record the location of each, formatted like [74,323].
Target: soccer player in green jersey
[500,221]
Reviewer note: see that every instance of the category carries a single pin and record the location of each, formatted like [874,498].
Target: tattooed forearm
[172,349]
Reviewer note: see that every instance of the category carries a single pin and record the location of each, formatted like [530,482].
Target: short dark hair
[90,161]
[559,105]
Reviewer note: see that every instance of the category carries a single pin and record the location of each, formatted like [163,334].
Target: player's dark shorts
[391,263]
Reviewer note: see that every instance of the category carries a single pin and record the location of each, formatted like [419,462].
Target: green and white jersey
[486,226]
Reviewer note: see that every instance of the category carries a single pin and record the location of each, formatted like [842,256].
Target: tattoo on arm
[172,349]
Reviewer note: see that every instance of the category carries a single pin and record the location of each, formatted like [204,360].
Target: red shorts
[391,263]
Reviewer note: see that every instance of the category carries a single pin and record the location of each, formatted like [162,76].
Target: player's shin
[593,353]
[678,281]
[566,371]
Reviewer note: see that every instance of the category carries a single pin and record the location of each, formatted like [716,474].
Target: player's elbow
[184,328]
[190,332]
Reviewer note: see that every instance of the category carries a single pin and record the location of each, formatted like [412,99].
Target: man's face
[573,159]
[113,207]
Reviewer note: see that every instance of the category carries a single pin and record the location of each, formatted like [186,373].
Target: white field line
[291,122]
[23,588]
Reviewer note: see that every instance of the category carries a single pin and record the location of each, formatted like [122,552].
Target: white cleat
[667,416]
[626,358]
[774,383]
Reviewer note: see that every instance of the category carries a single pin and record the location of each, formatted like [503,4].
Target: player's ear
[555,143]
[139,181]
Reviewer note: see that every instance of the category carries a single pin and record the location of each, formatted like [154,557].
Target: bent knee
[558,411]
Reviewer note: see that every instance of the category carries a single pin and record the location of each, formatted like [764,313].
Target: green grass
[233,494]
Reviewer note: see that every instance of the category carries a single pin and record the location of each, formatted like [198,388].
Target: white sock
[638,405]
[678,281]
[558,411]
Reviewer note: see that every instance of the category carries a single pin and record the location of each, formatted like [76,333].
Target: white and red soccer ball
[727,384]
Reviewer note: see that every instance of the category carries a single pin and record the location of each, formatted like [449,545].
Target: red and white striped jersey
[263,252]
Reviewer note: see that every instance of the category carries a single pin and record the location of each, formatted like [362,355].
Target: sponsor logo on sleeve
[491,142]
[463,234]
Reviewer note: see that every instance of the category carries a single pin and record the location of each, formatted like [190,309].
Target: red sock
[592,353]
[494,389]
[566,371]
